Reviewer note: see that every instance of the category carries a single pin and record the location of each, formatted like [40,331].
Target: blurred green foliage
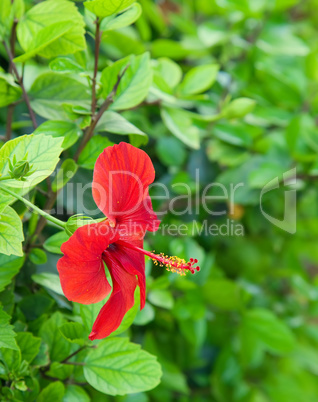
[225,88]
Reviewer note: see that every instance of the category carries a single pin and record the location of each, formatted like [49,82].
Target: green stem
[5,178]
[35,208]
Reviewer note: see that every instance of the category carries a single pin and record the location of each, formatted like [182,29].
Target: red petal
[122,175]
[132,261]
[81,269]
[120,301]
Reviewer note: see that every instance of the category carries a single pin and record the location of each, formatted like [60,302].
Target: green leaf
[238,108]
[74,332]
[199,79]
[117,367]
[50,281]
[168,71]
[171,151]
[102,8]
[12,359]
[70,132]
[38,256]
[41,151]
[161,298]
[34,305]
[59,347]
[301,137]
[92,150]
[9,267]
[65,64]
[7,335]
[180,123]
[169,48]
[11,234]
[6,18]
[146,315]
[53,244]
[89,313]
[46,37]
[233,134]
[29,345]
[134,85]
[9,90]
[288,44]
[67,170]
[53,28]
[60,371]
[54,392]
[42,358]
[75,393]
[268,329]
[122,20]
[113,122]
[51,90]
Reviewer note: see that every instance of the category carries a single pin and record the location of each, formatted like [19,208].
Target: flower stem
[35,208]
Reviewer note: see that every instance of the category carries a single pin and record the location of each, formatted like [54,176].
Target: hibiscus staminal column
[173,264]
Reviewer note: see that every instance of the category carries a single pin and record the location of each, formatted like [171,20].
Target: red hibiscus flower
[122,175]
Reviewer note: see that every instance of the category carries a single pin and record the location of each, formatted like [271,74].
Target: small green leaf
[89,313]
[75,393]
[34,29]
[118,367]
[46,37]
[67,170]
[59,347]
[238,108]
[42,358]
[102,8]
[267,328]
[7,335]
[113,122]
[169,71]
[92,150]
[6,19]
[65,64]
[38,256]
[11,234]
[42,153]
[180,123]
[9,267]
[161,298]
[53,244]
[29,345]
[48,280]
[134,85]
[146,315]
[233,134]
[54,392]
[60,371]
[9,90]
[63,129]
[199,79]
[171,151]
[74,332]
[122,20]
[51,90]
